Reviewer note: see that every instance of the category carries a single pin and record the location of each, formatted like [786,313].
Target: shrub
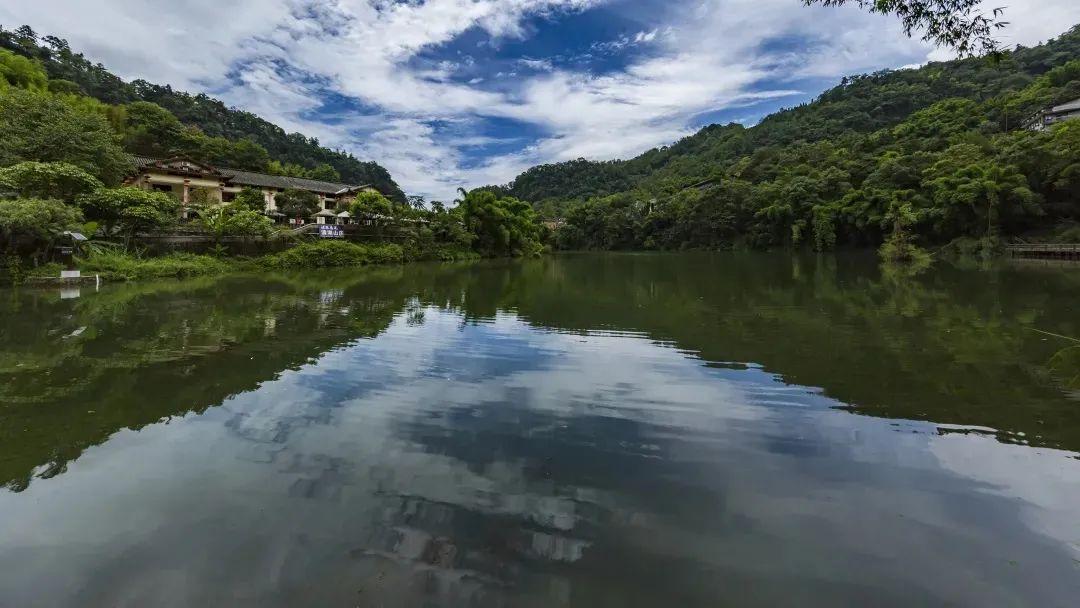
[236,220]
[40,220]
[130,210]
[333,254]
[251,199]
[119,266]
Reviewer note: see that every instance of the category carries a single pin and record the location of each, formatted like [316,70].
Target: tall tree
[42,127]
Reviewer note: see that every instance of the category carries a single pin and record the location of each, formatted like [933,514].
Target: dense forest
[160,121]
[938,154]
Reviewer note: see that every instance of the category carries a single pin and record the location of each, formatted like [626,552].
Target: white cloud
[540,65]
[290,53]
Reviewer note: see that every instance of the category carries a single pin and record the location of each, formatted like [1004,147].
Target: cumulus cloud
[284,58]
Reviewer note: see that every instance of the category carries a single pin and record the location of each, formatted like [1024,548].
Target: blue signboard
[331,232]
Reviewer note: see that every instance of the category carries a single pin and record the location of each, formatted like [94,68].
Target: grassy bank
[118,266]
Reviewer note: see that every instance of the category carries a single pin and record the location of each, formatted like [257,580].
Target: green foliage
[448,228]
[956,24]
[943,142]
[371,204]
[130,210]
[252,199]
[198,198]
[121,266]
[151,130]
[21,72]
[297,203]
[46,128]
[64,87]
[323,172]
[500,226]
[236,220]
[13,269]
[213,132]
[35,219]
[899,249]
[62,181]
[971,191]
[333,254]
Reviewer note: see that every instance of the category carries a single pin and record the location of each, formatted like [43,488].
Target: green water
[579,430]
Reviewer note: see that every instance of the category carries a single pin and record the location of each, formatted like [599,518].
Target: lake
[577,430]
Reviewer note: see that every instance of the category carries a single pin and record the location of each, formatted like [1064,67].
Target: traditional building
[1054,115]
[192,182]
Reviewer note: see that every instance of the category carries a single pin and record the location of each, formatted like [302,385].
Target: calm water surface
[580,430]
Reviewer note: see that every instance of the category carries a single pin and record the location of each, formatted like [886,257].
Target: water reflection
[593,430]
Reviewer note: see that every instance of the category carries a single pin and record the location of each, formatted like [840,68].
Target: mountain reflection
[593,430]
[953,347]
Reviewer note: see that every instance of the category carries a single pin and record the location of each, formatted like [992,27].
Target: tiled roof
[1067,107]
[263,180]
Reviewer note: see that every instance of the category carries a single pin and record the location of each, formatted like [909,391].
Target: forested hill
[232,137]
[831,168]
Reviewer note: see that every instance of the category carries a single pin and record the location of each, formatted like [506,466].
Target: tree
[130,210]
[324,172]
[152,131]
[371,204]
[39,220]
[899,248]
[245,153]
[956,24]
[45,128]
[18,71]
[500,226]
[252,199]
[64,87]
[973,194]
[236,220]
[61,181]
[244,222]
[297,203]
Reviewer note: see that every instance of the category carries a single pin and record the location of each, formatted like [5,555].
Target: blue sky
[449,93]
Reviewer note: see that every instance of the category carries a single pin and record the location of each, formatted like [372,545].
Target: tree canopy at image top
[956,24]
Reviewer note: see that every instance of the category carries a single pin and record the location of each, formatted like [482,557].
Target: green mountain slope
[944,143]
[235,137]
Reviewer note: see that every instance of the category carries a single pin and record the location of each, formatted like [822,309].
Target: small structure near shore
[1057,251]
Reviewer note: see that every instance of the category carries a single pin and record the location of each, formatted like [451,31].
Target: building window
[330,205]
[163,188]
[228,197]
